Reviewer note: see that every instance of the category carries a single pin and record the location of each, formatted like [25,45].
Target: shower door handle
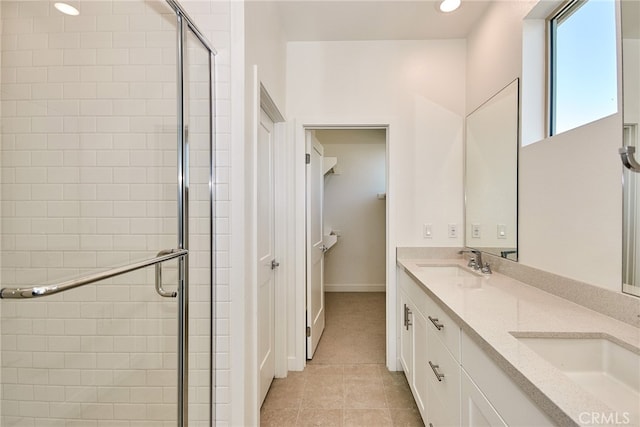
[159,289]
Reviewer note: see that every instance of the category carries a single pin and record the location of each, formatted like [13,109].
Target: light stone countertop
[491,308]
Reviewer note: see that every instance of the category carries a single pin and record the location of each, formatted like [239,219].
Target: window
[583,76]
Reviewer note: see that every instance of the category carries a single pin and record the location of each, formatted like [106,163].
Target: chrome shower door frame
[186,23]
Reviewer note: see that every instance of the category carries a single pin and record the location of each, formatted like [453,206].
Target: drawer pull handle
[407,313]
[436,323]
[434,368]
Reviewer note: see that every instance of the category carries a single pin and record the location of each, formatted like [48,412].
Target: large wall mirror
[630,13]
[491,175]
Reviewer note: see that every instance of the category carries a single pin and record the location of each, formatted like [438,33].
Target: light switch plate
[502,231]
[427,231]
[475,231]
[453,231]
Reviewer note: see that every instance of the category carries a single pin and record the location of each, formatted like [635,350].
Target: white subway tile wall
[87,155]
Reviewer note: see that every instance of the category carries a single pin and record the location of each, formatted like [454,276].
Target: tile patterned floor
[346,383]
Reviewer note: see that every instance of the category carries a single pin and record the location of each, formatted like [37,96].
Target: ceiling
[336,20]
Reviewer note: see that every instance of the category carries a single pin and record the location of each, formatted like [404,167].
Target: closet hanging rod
[41,291]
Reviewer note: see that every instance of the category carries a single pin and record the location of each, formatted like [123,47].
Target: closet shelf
[329,240]
[328,163]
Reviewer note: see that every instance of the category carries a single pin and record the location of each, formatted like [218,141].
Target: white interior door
[315,246]
[266,259]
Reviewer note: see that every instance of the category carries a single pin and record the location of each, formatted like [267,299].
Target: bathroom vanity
[490,350]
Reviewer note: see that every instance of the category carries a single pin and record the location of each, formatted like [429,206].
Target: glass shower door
[90,173]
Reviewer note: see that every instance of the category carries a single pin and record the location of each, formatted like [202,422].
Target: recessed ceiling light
[67,9]
[449,5]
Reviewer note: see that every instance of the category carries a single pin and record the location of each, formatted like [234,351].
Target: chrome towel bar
[41,291]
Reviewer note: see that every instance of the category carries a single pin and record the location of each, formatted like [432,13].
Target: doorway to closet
[350,216]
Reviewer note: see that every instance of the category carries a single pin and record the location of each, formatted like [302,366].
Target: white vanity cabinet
[428,341]
[454,382]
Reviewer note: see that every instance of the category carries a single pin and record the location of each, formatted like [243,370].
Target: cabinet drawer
[413,290]
[443,373]
[448,331]
[444,327]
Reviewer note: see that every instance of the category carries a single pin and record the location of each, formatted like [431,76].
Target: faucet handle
[472,263]
[486,269]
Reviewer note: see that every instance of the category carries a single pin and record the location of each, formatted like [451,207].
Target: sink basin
[602,367]
[445,271]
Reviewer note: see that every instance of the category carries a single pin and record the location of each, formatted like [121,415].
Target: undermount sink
[445,271]
[602,367]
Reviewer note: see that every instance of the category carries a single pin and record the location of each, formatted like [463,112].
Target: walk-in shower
[106,225]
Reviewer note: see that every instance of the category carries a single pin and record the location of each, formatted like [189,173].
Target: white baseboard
[294,364]
[358,287]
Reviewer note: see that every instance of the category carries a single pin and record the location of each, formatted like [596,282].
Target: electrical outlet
[453,231]
[475,231]
[427,231]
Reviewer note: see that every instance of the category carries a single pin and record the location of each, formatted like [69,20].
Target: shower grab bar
[41,291]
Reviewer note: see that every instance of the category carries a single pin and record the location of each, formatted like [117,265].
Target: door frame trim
[297,287]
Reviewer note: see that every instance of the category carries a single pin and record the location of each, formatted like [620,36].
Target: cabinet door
[421,368]
[476,409]
[406,337]
[509,400]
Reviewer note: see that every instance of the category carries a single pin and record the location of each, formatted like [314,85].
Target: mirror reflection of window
[630,14]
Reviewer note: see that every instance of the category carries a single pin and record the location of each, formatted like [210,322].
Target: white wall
[418,86]
[570,212]
[631,63]
[264,48]
[357,261]
[417,89]
[494,50]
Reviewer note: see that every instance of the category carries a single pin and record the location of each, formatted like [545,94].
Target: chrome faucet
[476,261]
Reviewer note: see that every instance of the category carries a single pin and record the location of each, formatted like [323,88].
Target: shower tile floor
[346,383]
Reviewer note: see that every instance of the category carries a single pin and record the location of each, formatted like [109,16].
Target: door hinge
[308,331]
[307,159]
